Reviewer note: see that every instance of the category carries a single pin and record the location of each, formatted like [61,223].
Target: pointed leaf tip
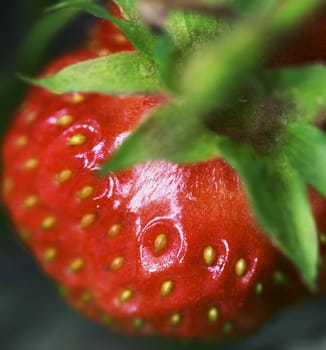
[305,146]
[171,133]
[122,73]
[279,199]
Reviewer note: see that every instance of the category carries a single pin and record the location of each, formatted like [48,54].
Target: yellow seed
[48,222]
[160,242]
[114,230]
[175,319]
[63,291]
[87,297]
[25,234]
[279,278]
[125,296]
[31,163]
[323,238]
[8,185]
[240,267]
[85,192]
[166,288]
[77,140]
[259,288]
[77,98]
[227,327]
[104,52]
[21,141]
[117,263]
[107,320]
[92,45]
[30,118]
[76,265]
[64,176]
[30,201]
[87,220]
[65,120]
[50,254]
[213,314]
[120,38]
[209,255]
[138,323]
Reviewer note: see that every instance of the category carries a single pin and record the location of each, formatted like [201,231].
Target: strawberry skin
[158,249]
[161,248]
[106,38]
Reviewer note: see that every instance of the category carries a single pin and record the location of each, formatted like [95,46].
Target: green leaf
[170,132]
[184,33]
[121,73]
[214,73]
[252,6]
[163,56]
[128,8]
[289,14]
[142,39]
[302,89]
[178,30]
[188,30]
[202,28]
[306,149]
[280,202]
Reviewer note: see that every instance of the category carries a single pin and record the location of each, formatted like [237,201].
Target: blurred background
[32,315]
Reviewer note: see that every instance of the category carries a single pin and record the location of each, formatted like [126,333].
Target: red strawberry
[107,38]
[160,248]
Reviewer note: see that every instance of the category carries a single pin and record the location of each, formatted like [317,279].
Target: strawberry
[106,38]
[125,247]
[160,248]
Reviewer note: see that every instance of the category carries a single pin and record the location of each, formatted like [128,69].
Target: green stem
[221,67]
[290,13]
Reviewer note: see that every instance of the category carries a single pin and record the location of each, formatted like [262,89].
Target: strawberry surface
[106,37]
[160,248]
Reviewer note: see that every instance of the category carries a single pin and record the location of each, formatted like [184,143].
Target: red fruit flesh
[160,248]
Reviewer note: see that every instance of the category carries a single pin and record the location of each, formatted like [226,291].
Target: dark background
[32,316]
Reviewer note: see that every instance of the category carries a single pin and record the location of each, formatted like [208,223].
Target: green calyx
[93,75]
[224,101]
